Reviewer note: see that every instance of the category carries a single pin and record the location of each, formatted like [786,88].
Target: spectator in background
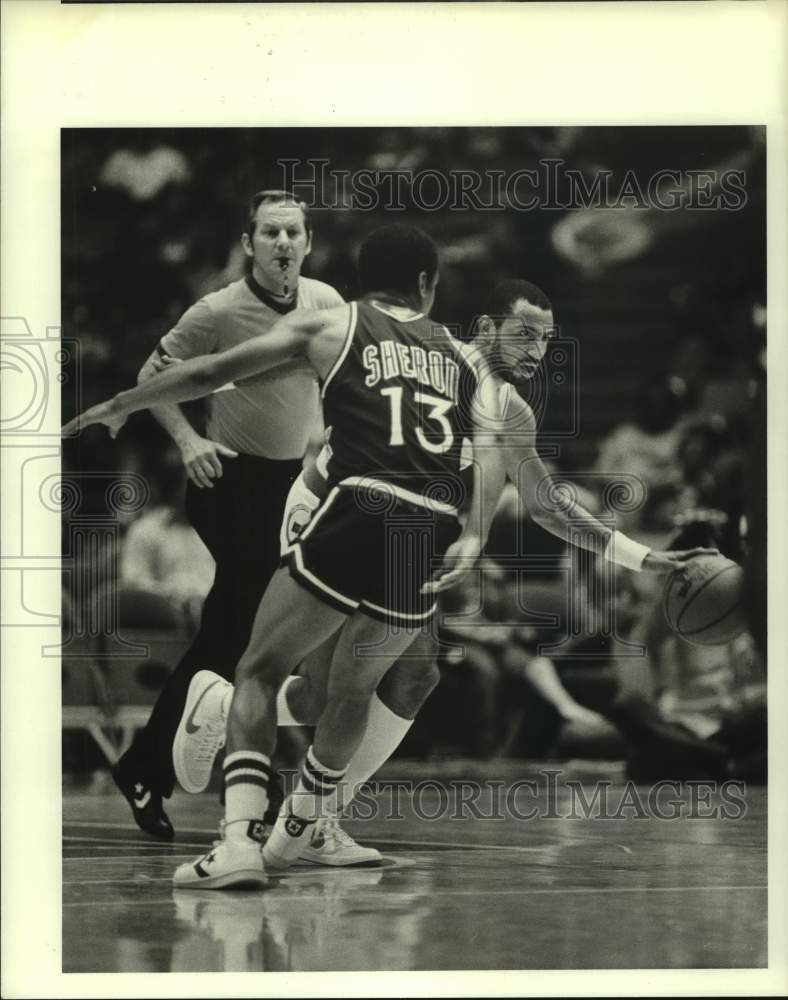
[498,695]
[571,700]
[507,696]
[163,554]
[650,440]
[712,465]
[647,447]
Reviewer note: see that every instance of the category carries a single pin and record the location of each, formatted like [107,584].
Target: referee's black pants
[238,519]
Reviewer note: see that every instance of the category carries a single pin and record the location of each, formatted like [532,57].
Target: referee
[257,431]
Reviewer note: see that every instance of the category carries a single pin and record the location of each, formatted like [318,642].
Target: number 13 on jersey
[437,413]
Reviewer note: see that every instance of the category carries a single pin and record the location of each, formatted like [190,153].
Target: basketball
[703,601]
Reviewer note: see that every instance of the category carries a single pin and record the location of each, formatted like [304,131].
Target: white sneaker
[201,731]
[331,845]
[230,864]
[287,840]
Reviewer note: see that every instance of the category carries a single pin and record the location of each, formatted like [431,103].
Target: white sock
[246,775]
[384,733]
[284,717]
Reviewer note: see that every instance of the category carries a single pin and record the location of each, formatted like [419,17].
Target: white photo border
[259,65]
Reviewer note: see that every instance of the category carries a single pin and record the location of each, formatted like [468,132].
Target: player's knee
[308,702]
[267,667]
[251,685]
[405,688]
[351,687]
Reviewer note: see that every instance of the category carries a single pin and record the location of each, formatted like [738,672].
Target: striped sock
[246,774]
[315,793]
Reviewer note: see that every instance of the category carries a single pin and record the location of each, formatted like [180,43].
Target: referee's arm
[193,335]
[201,457]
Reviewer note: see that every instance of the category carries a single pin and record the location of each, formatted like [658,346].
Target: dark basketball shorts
[371,546]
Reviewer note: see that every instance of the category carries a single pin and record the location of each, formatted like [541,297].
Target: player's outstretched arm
[291,336]
[556,511]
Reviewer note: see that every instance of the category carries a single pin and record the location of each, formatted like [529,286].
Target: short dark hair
[392,258]
[276,197]
[506,293]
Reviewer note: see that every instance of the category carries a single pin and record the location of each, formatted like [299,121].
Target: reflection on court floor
[472,893]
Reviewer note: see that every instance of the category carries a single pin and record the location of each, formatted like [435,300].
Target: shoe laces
[210,740]
[221,840]
[223,834]
[332,830]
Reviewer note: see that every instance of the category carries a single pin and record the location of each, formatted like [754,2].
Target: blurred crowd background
[659,373]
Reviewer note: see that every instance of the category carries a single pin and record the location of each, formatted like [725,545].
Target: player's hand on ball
[459,558]
[102,413]
[203,460]
[667,561]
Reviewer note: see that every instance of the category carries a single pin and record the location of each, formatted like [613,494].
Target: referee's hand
[203,460]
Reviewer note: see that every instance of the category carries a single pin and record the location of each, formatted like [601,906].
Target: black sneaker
[146,805]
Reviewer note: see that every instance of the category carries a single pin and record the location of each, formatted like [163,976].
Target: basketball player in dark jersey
[399,396]
[239,475]
[512,335]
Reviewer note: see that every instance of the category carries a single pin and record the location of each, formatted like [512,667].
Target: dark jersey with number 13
[397,403]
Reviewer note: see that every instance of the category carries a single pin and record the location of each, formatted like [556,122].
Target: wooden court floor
[458,889]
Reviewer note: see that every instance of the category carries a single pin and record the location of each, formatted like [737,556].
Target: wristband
[626,552]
